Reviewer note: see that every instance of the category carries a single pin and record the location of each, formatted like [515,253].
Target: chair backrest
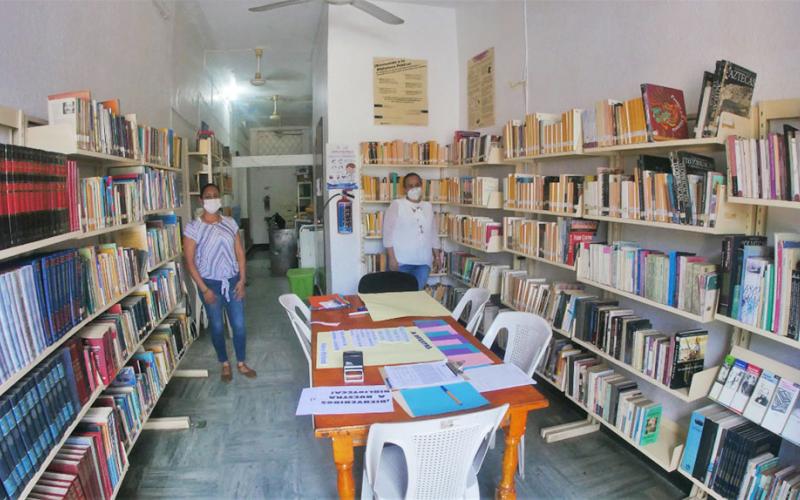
[294,309]
[474,301]
[387,281]
[439,453]
[528,338]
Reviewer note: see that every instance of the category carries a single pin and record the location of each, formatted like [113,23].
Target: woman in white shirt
[410,232]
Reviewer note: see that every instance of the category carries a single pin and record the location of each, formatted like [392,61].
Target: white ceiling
[287,37]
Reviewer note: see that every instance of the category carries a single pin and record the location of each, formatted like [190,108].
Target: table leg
[343,458]
[513,431]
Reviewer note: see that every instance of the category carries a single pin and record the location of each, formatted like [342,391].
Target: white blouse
[411,229]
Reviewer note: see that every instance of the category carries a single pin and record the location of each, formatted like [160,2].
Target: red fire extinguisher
[344,213]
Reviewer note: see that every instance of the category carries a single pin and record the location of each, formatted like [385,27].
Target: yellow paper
[418,349]
[383,306]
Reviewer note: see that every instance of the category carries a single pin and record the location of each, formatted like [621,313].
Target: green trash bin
[301,281]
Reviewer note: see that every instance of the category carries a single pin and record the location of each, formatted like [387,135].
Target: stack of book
[375,262]
[612,397]
[110,201]
[677,279]
[447,295]
[728,89]
[442,223]
[768,169]
[165,288]
[553,241]
[535,295]
[619,332]
[401,152]
[479,191]
[161,190]
[36,412]
[109,271]
[681,189]
[760,396]
[38,195]
[372,223]
[758,290]
[439,190]
[75,472]
[479,232]
[473,147]
[543,133]
[476,272]
[163,239]
[100,127]
[382,188]
[100,429]
[553,366]
[553,193]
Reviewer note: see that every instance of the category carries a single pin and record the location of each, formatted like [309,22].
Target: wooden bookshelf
[794,344]
[646,301]
[540,259]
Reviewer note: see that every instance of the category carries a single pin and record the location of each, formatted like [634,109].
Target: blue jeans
[418,271]
[235,309]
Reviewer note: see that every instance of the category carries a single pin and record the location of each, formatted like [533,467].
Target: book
[689,357]
[762,396]
[426,401]
[665,111]
[782,403]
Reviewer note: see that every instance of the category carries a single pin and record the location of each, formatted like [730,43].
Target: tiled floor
[247,443]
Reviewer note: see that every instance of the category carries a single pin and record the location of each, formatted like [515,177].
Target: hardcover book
[689,357]
[761,397]
[665,111]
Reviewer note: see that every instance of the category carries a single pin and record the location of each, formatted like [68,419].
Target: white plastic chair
[437,458]
[528,336]
[292,304]
[476,298]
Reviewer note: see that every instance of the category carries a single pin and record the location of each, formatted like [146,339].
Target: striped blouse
[215,256]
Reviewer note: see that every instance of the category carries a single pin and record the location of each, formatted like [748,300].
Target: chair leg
[521,457]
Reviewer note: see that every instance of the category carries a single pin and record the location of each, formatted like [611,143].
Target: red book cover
[79,369]
[102,458]
[576,238]
[80,460]
[665,111]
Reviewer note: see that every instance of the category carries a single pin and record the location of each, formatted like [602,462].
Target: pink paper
[474,359]
[447,342]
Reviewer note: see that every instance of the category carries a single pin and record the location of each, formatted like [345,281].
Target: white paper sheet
[496,377]
[345,400]
[419,375]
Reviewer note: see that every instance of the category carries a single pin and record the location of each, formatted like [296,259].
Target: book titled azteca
[665,111]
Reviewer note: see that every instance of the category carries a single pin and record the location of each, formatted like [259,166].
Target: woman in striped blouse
[216,261]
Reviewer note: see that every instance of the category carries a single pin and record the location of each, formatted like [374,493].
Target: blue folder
[424,401]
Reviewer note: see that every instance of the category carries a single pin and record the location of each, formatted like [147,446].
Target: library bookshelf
[63,139]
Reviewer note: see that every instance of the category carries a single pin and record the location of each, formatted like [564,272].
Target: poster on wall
[480,89]
[341,168]
[400,91]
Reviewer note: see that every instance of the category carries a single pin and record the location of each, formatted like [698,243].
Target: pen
[358,313]
[447,391]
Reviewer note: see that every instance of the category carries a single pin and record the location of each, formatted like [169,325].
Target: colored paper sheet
[496,377]
[380,347]
[435,400]
[471,360]
[383,306]
[441,342]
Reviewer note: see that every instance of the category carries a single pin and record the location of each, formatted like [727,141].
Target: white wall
[582,52]
[354,39]
[282,190]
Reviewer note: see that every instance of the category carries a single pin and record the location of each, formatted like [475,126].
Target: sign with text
[480,90]
[400,91]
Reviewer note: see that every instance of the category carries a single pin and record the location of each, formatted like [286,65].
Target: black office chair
[388,281]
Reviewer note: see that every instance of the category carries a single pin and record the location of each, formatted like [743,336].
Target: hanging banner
[400,91]
[480,90]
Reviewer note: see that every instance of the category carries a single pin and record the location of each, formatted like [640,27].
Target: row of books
[602,391]
[110,201]
[163,238]
[372,224]
[375,262]
[447,295]
[38,195]
[611,122]
[522,292]
[473,190]
[543,133]
[402,152]
[382,188]
[473,147]
[721,449]
[681,189]
[48,295]
[760,290]
[553,241]
[101,127]
[478,273]
[481,232]
[554,193]
[160,189]
[622,334]
[768,168]
[677,279]
[166,289]
[760,396]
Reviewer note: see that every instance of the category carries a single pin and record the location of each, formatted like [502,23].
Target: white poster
[341,167]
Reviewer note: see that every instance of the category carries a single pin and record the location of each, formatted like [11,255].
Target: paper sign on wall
[341,168]
[400,91]
[480,89]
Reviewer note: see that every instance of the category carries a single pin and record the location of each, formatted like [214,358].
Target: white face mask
[212,205]
[414,194]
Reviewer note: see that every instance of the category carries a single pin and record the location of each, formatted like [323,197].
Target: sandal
[246,371]
[226,374]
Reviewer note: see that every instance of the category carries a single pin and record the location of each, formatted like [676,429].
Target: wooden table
[348,431]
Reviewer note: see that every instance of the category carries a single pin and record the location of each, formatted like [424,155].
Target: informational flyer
[341,169]
[400,91]
[345,400]
[480,89]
